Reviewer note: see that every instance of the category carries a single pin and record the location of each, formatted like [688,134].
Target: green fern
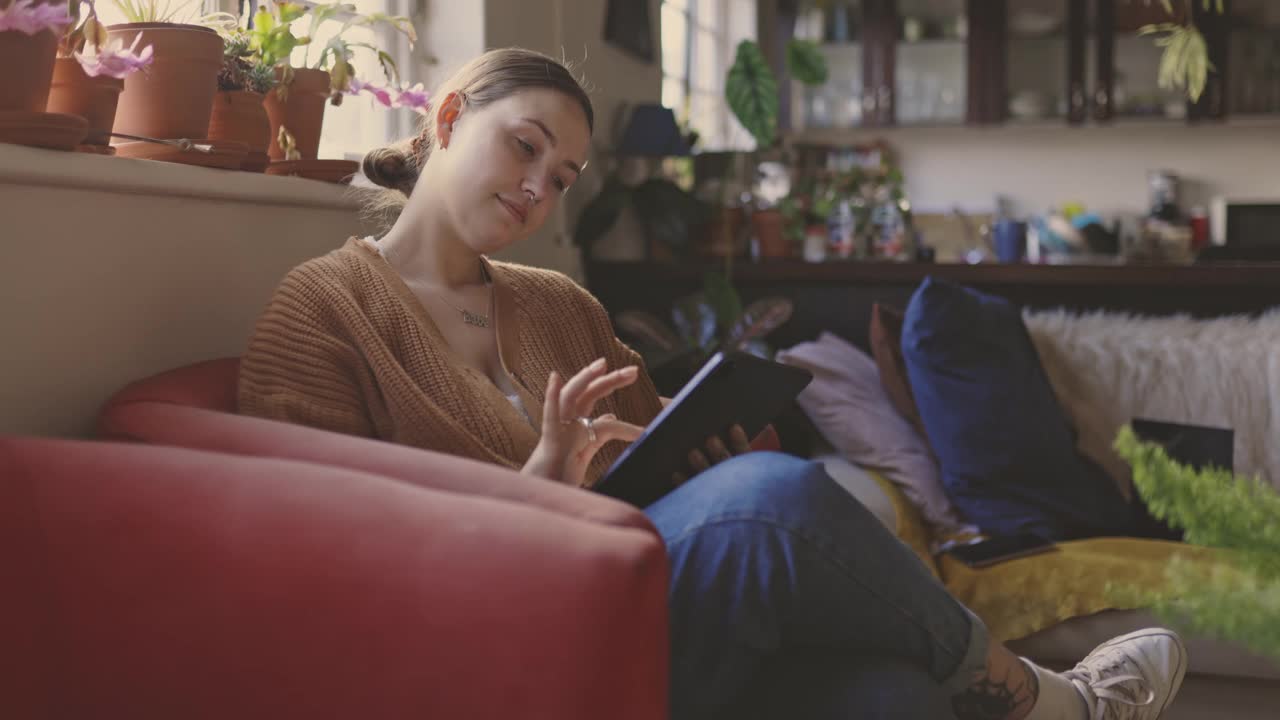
[1237,597]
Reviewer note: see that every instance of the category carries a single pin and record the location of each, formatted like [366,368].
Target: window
[699,41]
[358,125]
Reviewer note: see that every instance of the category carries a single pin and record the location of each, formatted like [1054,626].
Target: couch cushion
[210,384]
[1007,453]
[886,347]
[847,403]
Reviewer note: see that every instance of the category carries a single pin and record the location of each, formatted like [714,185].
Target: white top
[519,405]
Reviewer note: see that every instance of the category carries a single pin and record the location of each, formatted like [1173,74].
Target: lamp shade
[652,132]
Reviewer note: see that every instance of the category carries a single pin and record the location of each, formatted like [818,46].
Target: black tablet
[731,388]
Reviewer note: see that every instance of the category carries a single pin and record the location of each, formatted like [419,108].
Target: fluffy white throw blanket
[1109,368]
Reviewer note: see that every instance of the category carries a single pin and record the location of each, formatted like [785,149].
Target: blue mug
[1010,240]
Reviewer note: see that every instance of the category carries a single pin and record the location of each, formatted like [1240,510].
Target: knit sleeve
[299,366]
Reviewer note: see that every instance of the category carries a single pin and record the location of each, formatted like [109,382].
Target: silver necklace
[473,319]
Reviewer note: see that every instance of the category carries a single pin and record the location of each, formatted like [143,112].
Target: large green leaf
[723,298]
[601,213]
[752,93]
[806,62]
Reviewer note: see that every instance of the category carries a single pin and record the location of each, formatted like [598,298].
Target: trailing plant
[1184,65]
[1236,596]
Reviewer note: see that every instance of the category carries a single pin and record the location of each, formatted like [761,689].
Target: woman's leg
[768,554]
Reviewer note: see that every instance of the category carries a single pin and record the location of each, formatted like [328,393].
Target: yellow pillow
[1022,596]
[1018,597]
[911,528]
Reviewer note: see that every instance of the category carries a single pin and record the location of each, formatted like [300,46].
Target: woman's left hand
[716,450]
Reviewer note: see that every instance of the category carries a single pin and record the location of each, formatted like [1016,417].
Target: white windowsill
[27,166]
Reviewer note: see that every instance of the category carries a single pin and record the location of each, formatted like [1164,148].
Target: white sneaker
[1132,677]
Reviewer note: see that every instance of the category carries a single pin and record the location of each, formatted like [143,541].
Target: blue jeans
[773,563]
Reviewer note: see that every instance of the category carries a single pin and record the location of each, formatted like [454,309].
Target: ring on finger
[586,423]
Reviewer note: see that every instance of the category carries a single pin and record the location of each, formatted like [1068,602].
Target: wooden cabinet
[939,62]
[1250,53]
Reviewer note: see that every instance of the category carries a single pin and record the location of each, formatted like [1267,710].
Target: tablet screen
[731,388]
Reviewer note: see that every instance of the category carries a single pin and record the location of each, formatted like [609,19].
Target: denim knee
[761,485]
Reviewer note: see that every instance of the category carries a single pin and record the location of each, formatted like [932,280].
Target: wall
[113,269]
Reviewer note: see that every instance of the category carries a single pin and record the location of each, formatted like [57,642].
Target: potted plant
[752,93]
[89,73]
[702,324]
[29,32]
[239,114]
[296,105]
[174,98]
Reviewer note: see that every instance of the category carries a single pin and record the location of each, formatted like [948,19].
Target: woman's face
[505,166]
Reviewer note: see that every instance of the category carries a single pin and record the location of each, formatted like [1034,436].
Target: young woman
[417,338]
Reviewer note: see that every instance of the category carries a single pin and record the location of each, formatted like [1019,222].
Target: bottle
[841,225]
[1199,228]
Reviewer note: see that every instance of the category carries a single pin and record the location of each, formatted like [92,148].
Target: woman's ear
[446,116]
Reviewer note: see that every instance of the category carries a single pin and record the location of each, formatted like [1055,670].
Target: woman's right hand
[566,448]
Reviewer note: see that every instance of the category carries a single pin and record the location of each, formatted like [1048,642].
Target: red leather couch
[194,406]
[308,574]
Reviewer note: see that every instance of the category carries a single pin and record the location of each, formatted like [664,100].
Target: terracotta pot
[92,98]
[239,115]
[768,228]
[721,236]
[29,61]
[174,96]
[301,112]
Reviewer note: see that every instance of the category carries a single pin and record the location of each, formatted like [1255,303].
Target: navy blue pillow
[1006,449]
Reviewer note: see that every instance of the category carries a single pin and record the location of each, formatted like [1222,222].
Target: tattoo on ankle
[996,699]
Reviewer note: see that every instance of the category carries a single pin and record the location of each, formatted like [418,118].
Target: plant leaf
[806,62]
[723,298]
[752,93]
[758,320]
[695,320]
[1197,53]
[648,328]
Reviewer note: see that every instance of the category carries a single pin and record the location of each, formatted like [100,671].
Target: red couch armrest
[155,582]
[163,423]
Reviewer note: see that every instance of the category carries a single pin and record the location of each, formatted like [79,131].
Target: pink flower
[380,95]
[114,60]
[416,98]
[26,17]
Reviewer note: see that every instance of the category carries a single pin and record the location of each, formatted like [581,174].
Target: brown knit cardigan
[344,345]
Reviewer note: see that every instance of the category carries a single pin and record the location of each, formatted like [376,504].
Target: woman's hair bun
[391,167]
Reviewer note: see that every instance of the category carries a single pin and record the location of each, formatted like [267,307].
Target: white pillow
[849,406]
